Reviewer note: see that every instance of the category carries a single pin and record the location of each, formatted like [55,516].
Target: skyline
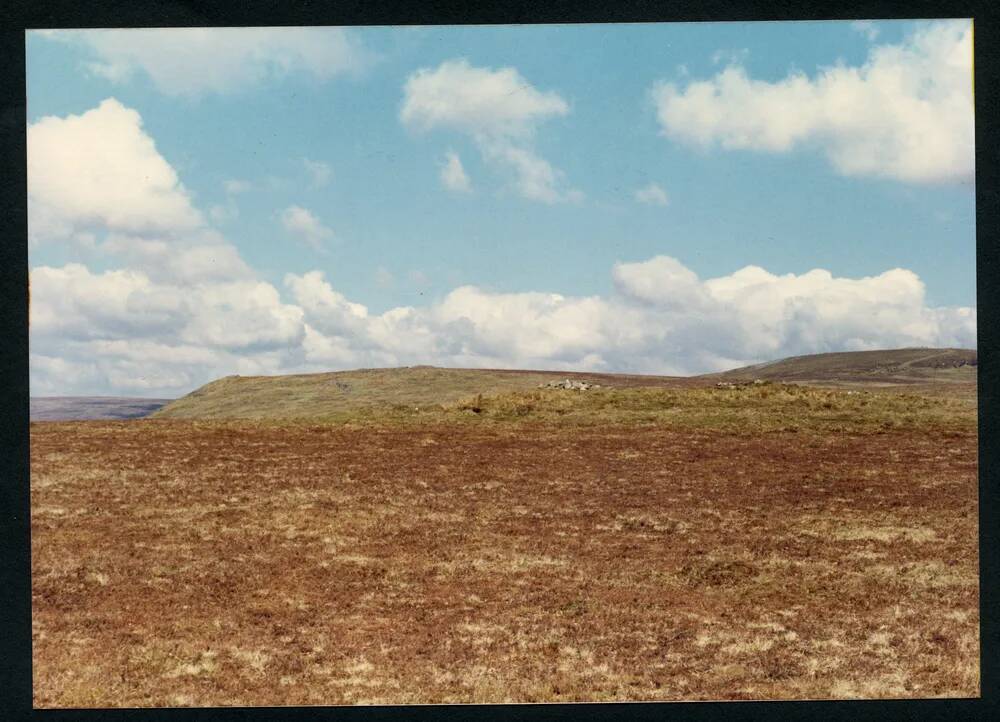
[668,198]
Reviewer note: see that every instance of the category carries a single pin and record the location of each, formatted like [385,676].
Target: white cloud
[906,114]
[101,170]
[72,303]
[305,225]
[652,195]
[536,179]
[196,61]
[662,318]
[753,314]
[453,174]
[319,171]
[242,315]
[499,110]
[196,258]
[182,307]
[477,101]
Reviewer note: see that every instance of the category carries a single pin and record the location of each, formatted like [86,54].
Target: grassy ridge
[746,410]
[897,366]
[752,409]
[334,394]
[425,392]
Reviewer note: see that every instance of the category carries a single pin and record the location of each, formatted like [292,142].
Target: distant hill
[333,394]
[897,366]
[81,408]
[323,394]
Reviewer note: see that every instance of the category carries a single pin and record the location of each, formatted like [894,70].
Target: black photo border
[16,16]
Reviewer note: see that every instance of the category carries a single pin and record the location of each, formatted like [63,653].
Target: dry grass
[340,394]
[622,546]
[911,366]
[753,409]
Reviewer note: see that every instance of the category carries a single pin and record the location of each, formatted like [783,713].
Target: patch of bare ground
[182,563]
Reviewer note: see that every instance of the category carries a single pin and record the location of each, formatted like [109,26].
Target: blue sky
[762,187]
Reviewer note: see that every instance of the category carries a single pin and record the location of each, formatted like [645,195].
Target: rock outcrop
[570,385]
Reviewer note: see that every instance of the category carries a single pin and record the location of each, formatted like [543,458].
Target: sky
[669,198]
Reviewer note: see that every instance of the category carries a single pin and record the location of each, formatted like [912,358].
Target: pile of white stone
[740,384]
[570,385]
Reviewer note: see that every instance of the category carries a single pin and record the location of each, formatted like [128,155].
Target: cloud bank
[120,331]
[180,306]
[905,114]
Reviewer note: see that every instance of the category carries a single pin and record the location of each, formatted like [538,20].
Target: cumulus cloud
[73,303]
[905,114]
[182,306]
[477,100]
[662,318]
[96,180]
[196,61]
[652,195]
[453,174]
[302,223]
[499,110]
[753,314]
[100,170]
[199,257]
[179,306]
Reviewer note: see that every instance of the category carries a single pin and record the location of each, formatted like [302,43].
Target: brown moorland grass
[764,542]
[342,393]
[892,366]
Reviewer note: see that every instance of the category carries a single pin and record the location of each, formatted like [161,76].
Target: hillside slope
[329,394]
[339,394]
[897,366]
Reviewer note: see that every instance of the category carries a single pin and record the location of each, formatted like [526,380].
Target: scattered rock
[570,385]
[740,384]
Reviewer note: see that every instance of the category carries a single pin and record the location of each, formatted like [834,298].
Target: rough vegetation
[340,394]
[896,366]
[760,541]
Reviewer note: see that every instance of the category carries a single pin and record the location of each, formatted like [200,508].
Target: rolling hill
[311,395]
[327,395]
[898,366]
